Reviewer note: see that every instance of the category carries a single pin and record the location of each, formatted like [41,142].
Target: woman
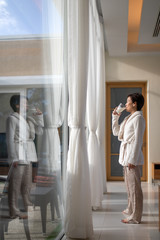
[20,132]
[130,133]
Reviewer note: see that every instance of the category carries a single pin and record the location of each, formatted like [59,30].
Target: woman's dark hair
[138,98]
[15,100]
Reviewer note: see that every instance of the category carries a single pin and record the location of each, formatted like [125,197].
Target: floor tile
[114,202]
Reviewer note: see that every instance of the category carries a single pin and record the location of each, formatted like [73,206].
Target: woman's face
[24,105]
[130,106]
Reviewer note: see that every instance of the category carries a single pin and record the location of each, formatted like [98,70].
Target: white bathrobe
[130,133]
[20,136]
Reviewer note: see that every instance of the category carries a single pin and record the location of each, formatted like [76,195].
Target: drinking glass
[121,107]
[32,108]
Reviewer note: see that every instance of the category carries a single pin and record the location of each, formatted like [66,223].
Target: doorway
[117,92]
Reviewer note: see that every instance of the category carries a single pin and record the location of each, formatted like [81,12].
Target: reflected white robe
[20,134]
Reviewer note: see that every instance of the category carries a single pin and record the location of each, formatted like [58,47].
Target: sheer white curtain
[78,218]
[54,85]
[101,105]
[95,116]
[53,117]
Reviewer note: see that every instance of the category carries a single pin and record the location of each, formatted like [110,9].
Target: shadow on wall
[154,93]
[154,102]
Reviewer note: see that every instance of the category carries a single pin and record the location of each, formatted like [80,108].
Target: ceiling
[129,26]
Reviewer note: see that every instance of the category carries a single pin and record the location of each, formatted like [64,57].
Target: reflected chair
[43,194]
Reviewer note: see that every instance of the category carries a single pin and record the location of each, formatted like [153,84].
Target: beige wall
[142,68]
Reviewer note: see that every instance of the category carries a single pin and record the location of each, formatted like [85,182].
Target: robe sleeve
[115,125]
[38,123]
[10,135]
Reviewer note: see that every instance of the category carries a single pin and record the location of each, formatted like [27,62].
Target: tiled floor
[107,221]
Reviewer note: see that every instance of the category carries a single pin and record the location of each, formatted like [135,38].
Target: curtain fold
[78,217]
[54,90]
[96,108]
[101,109]
[53,118]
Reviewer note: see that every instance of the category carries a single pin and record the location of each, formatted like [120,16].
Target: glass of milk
[121,107]
[32,108]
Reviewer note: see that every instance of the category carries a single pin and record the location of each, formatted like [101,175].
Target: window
[31,18]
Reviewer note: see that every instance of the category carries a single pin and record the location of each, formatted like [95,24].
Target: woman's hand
[38,112]
[130,166]
[15,164]
[115,112]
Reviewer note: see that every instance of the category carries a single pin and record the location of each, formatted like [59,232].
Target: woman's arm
[39,124]
[10,135]
[115,124]
[36,124]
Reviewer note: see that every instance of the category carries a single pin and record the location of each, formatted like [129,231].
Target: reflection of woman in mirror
[20,131]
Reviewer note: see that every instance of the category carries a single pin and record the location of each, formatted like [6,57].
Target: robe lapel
[23,125]
[126,120]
